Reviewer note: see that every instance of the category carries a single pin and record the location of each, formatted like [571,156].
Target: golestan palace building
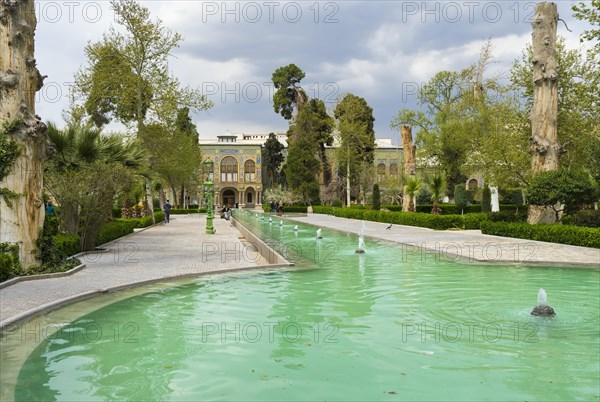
[238,173]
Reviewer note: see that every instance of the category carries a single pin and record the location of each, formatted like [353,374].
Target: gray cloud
[381,50]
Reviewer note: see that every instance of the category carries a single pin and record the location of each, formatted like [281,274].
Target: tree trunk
[545,151]
[19,81]
[149,199]
[410,162]
[348,179]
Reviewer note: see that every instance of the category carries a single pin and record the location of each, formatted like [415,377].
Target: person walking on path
[167,209]
[50,210]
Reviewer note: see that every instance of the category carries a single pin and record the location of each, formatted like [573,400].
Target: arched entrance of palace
[228,198]
[250,197]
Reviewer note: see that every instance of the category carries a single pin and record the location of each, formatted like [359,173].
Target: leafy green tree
[448,98]
[517,198]
[322,129]
[301,169]
[578,100]
[355,154]
[460,197]
[87,174]
[376,197]
[186,131]
[174,155]
[289,94]
[437,185]
[127,76]
[501,151]
[486,199]
[391,189]
[589,11]
[557,188]
[272,158]
[184,124]
[303,164]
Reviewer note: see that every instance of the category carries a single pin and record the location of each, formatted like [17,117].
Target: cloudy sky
[380,50]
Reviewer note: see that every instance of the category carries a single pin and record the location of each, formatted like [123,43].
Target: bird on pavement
[389,227]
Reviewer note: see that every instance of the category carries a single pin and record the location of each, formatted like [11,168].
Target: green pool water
[340,326]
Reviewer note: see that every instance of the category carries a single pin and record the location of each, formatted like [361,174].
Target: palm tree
[87,173]
[412,188]
[437,185]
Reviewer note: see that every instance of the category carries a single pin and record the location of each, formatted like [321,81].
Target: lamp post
[208,194]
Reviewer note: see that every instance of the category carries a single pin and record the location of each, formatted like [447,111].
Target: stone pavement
[178,249]
[465,245]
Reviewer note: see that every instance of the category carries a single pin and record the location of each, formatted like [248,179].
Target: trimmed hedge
[556,233]
[508,216]
[66,245]
[295,208]
[452,209]
[122,227]
[392,208]
[179,211]
[438,222]
[474,220]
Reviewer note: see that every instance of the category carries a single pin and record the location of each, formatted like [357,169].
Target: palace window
[229,169]
[249,170]
[380,172]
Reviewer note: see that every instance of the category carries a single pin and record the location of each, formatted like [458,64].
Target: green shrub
[122,227]
[324,209]
[116,212]
[159,216]
[337,203]
[295,208]
[115,229]
[587,217]
[427,220]
[460,197]
[556,233]
[66,245]
[508,216]
[486,199]
[393,208]
[9,261]
[571,188]
[376,198]
[473,220]
[180,211]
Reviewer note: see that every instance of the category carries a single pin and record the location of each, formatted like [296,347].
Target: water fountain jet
[543,309]
[361,240]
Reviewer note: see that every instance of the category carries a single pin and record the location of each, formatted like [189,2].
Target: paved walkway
[180,248]
[466,245]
